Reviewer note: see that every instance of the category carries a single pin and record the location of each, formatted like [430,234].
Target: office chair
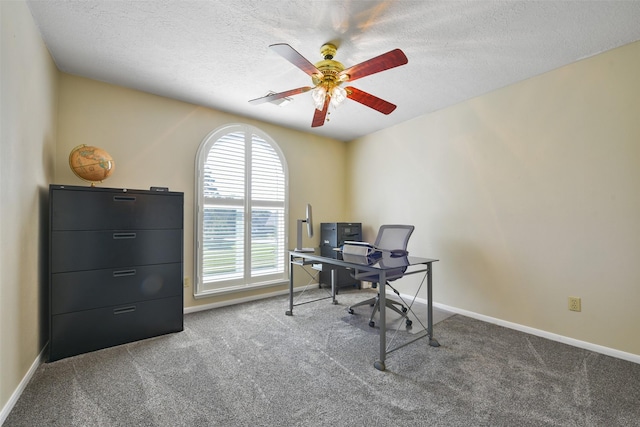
[390,238]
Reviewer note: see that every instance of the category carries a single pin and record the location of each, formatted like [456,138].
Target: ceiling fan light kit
[320,93]
[328,75]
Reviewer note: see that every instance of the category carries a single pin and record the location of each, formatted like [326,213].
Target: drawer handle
[124,198]
[124,273]
[124,310]
[124,235]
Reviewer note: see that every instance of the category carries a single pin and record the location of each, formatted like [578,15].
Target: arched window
[241,205]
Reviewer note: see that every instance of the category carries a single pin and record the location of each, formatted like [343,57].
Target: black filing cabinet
[333,235]
[115,267]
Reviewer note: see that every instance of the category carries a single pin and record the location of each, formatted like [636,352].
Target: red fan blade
[319,116]
[369,100]
[292,55]
[386,61]
[280,95]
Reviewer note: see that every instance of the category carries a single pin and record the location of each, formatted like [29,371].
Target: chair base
[375,303]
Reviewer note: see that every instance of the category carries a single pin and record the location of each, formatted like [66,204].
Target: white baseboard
[540,333]
[204,307]
[23,384]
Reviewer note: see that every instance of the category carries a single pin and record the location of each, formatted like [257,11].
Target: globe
[91,164]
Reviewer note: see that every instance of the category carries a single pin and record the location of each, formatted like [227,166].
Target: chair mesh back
[394,236]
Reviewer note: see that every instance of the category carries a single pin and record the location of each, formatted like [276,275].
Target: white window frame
[200,288]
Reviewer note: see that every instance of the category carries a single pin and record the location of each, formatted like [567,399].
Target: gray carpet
[250,365]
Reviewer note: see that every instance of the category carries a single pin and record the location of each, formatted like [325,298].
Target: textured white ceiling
[215,53]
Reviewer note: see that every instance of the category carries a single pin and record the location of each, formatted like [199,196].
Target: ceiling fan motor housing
[329,68]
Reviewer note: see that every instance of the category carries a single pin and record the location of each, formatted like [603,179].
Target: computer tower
[333,235]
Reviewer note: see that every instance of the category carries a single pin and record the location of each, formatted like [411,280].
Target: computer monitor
[309,220]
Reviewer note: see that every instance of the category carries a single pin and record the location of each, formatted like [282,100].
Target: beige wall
[28,82]
[527,195]
[154,142]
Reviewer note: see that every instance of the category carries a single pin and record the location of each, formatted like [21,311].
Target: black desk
[379,265]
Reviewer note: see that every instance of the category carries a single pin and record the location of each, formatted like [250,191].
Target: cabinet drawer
[89,250]
[77,209]
[80,332]
[84,290]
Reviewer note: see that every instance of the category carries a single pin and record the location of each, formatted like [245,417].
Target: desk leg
[432,341]
[334,280]
[379,364]
[291,267]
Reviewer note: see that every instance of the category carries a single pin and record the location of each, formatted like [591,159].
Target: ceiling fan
[328,76]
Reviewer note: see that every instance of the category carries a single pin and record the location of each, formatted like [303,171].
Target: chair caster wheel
[350,310]
[409,323]
[372,323]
